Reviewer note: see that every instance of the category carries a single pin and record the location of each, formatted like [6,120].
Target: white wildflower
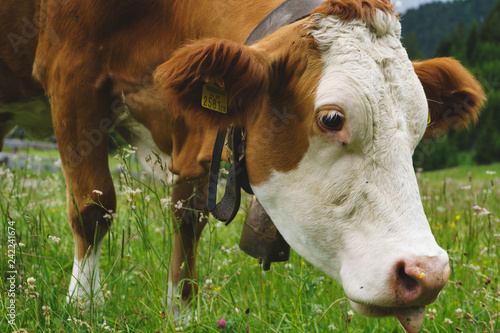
[448,321]
[105,326]
[459,313]
[432,314]
[476,208]
[350,315]
[317,309]
[166,202]
[97,192]
[178,205]
[129,151]
[131,193]
[484,211]
[46,310]
[54,239]
[488,172]
[476,268]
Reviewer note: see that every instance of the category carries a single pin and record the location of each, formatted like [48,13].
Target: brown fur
[354,9]
[455,97]
[18,37]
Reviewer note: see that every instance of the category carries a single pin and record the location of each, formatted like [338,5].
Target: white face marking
[85,282]
[354,211]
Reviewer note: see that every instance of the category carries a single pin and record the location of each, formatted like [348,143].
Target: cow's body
[86,47]
[344,64]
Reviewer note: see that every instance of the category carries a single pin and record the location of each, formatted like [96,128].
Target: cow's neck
[229,19]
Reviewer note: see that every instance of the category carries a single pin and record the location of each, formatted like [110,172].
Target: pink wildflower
[222,323]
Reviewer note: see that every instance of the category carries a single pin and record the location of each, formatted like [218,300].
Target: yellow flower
[458,217]
[453,225]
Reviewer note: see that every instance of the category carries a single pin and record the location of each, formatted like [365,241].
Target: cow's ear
[211,69]
[454,96]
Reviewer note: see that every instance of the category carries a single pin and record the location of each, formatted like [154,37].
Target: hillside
[424,27]
[478,48]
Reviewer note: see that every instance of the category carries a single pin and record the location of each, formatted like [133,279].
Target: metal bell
[261,239]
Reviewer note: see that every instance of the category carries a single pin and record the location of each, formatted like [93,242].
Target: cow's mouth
[411,318]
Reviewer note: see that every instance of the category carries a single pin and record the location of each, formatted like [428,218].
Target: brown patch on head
[354,9]
[278,137]
[270,88]
[454,96]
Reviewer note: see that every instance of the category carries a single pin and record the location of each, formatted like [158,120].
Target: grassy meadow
[462,204]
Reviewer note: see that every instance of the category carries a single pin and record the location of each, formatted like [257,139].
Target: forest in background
[469,31]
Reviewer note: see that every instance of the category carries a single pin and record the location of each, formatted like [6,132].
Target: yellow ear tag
[429,119]
[214,97]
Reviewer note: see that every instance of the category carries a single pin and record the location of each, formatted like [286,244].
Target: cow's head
[333,110]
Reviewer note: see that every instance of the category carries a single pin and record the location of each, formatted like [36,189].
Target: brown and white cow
[331,106]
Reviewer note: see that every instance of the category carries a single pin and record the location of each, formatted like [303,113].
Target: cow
[331,106]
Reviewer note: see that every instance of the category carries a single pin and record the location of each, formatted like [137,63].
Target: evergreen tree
[432,21]
[490,32]
[471,43]
[410,42]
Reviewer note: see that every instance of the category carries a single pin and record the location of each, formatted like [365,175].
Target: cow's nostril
[419,280]
[407,285]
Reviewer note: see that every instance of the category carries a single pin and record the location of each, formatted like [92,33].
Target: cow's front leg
[82,120]
[189,219]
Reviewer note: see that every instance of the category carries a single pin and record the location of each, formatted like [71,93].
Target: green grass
[289,298]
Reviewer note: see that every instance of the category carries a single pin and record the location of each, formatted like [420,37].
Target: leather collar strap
[237,177]
[286,13]
[225,211]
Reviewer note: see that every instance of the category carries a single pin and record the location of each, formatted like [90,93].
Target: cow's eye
[331,120]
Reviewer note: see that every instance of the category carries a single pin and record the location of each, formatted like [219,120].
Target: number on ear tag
[214,98]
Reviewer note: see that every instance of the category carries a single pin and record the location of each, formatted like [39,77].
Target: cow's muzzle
[415,282]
